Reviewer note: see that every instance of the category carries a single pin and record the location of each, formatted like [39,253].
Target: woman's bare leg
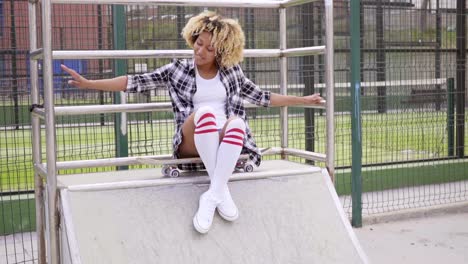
[187,148]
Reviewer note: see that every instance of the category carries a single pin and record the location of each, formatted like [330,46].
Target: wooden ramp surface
[293,218]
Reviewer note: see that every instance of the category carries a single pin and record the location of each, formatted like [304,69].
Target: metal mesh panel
[408,98]
[306,127]
[16,204]
[407,125]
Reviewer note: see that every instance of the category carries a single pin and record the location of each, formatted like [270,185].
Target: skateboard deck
[170,169]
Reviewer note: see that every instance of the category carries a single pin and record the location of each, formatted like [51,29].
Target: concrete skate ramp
[293,218]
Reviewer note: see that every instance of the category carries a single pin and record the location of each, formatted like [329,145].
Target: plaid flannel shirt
[179,77]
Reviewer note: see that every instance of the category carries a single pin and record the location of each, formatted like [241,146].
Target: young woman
[207,94]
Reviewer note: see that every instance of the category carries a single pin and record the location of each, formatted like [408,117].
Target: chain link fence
[412,156]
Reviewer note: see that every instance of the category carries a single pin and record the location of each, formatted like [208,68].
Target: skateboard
[170,169]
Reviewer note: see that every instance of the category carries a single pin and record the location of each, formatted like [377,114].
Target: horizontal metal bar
[303,51]
[115,108]
[136,54]
[321,105]
[389,83]
[131,54]
[296,2]
[185,180]
[213,3]
[138,160]
[262,53]
[387,4]
[152,161]
[111,162]
[159,162]
[120,54]
[305,154]
[168,160]
[400,50]
[119,108]
[169,54]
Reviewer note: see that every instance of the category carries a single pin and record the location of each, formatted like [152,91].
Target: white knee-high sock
[206,137]
[228,154]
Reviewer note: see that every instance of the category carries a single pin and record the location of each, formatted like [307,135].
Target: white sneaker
[227,209]
[204,217]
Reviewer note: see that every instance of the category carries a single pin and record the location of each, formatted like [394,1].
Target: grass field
[387,138]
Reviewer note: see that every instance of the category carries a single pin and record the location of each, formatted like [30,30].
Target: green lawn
[386,138]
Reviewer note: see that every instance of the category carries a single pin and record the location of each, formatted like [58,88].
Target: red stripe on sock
[206,131]
[235,130]
[206,124]
[206,115]
[232,142]
[234,136]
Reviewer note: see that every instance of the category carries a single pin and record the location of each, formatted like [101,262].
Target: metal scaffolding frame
[46,173]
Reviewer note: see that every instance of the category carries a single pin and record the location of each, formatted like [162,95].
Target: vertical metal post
[362,32]
[437,61]
[249,31]
[283,78]
[51,183]
[14,68]
[120,66]
[461,77]
[36,137]
[180,25]
[308,29]
[320,59]
[330,84]
[380,63]
[100,38]
[356,166]
[250,63]
[450,116]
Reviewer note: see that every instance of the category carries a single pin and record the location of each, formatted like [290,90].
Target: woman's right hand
[78,80]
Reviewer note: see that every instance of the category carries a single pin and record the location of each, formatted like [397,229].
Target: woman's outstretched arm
[116,84]
[288,100]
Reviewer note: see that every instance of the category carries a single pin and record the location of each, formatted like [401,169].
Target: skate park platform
[289,213]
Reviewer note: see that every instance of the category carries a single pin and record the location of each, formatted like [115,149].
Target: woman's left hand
[288,100]
[313,99]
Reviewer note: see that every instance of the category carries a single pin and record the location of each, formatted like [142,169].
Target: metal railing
[47,195]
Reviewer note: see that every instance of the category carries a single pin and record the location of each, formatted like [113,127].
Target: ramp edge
[344,219]
[184,180]
[69,228]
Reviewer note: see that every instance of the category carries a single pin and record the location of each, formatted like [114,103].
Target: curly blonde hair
[227,36]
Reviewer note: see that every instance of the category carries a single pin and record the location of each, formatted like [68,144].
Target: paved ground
[435,239]
[17,248]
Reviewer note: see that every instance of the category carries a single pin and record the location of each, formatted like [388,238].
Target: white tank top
[212,93]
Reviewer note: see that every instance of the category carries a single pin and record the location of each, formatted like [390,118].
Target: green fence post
[356,166]
[461,78]
[120,68]
[450,116]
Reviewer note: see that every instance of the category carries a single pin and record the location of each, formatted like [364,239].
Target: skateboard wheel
[165,170]
[174,173]
[248,168]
